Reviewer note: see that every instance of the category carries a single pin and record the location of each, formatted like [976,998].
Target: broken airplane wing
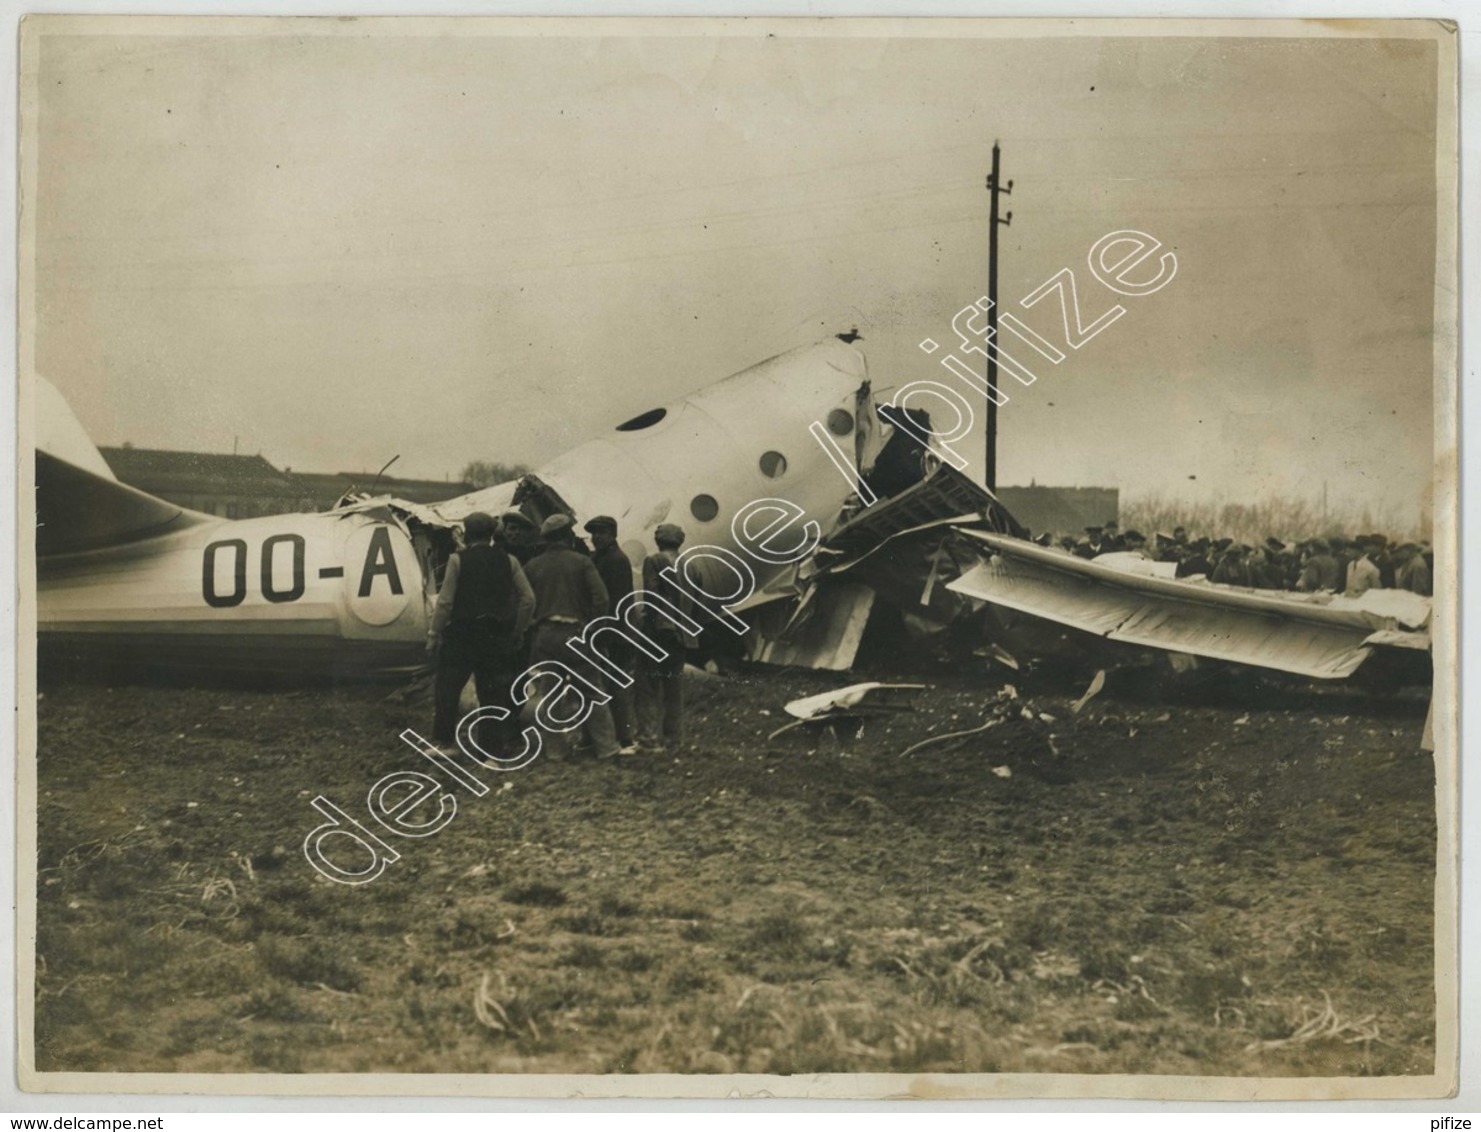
[1321,636]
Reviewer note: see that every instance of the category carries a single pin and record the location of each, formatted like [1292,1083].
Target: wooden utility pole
[994,187]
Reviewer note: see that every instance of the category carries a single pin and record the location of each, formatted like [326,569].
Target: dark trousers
[660,694]
[624,710]
[485,651]
[550,643]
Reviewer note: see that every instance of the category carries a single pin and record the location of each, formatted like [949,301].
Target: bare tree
[486,473]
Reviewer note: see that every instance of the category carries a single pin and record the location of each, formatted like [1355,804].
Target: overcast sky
[334,249]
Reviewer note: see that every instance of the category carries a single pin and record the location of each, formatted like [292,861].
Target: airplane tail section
[80,505]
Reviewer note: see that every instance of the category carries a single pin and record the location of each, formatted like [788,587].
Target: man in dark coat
[482,609]
[1322,570]
[660,697]
[1412,572]
[518,535]
[616,571]
[569,594]
[1234,568]
[1196,562]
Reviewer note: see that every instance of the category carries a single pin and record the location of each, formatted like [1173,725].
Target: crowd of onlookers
[1336,564]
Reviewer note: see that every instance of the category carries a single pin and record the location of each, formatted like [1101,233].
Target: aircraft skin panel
[711,444]
[1069,600]
[829,639]
[1374,610]
[1317,651]
[1120,609]
[228,653]
[284,585]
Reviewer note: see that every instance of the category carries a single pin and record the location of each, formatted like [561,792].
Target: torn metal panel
[1067,600]
[942,499]
[943,496]
[384,507]
[1301,634]
[873,696]
[1400,606]
[1398,639]
[827,637]
[1130,562]
[1319,651]
[783,586]
[1377,609]
[856,702]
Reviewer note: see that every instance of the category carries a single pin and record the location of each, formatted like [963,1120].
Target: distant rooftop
[164,470]
[329,486]
[167,473]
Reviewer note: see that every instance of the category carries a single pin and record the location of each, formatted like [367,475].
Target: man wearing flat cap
[1412,572]
[1233,569]
[616,571]
[518,535]
[1322,570]
[483,608]
[660,698]
[1196,562]
[568,595]
[1386,558]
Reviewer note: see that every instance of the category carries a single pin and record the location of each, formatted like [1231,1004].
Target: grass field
[1237,883]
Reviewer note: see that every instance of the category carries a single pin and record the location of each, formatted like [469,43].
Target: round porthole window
[840,422]
[704,507]
[773,465]
[643,420]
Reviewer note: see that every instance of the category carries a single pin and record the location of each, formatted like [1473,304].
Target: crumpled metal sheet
[827,636]
[1377,609]
[887,697]
[1410,610]
[943,496]
[1301,634]
[1399,639]
[384,507]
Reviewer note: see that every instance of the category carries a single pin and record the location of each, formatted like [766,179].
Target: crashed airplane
[127,579]
[130,580]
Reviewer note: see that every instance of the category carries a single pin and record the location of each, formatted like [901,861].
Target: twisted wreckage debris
[944,553]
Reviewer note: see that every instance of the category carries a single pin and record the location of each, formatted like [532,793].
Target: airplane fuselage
[355,587]
[274,594]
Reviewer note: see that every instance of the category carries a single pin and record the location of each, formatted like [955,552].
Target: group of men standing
[516,595]
[1336,565]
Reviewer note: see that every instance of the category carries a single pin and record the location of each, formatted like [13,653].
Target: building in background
[243,487]
[1061,510]
[325,488]
[234,487]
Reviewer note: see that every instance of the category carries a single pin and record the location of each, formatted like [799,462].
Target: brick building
[242,487]
[235,487]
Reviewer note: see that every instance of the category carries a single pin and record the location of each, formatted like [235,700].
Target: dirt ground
[1231,880]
